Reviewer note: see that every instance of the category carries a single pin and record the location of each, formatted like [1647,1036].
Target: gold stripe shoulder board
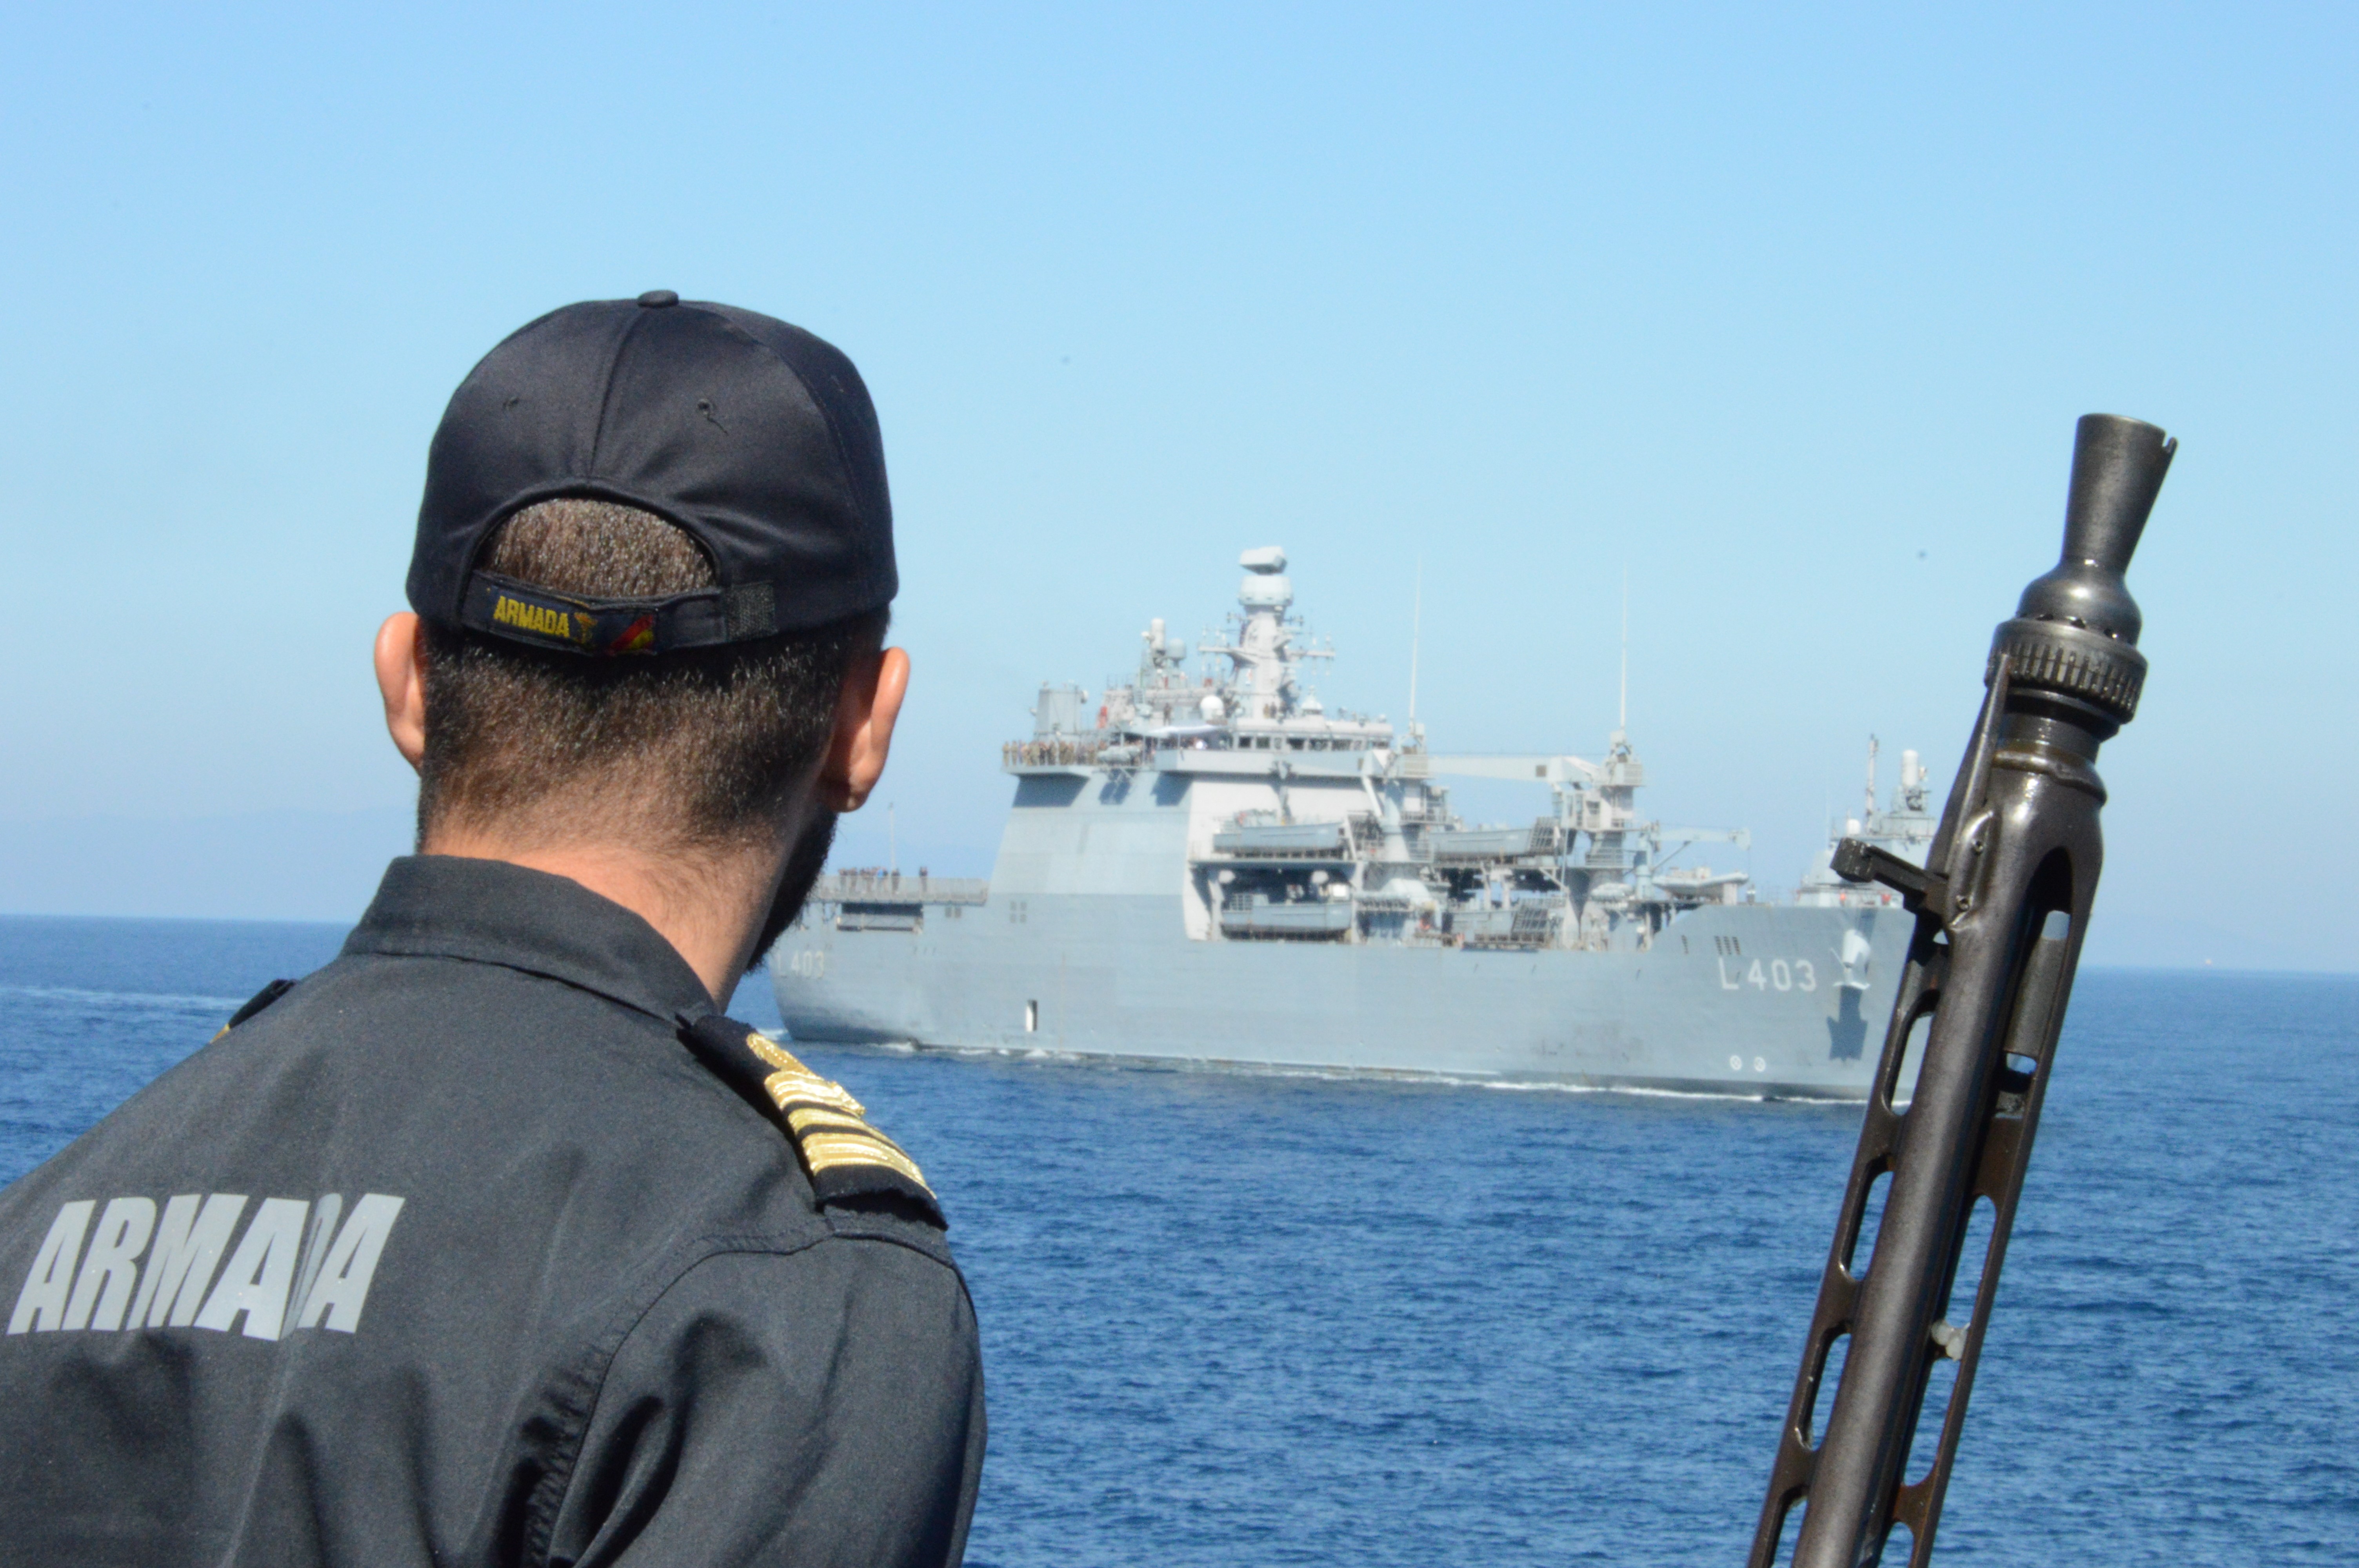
[841,1153]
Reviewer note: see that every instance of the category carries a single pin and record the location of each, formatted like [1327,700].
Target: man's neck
[708,904]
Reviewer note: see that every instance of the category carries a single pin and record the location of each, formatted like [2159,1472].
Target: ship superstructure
[1906,828]
[1208,864]
[1307,826]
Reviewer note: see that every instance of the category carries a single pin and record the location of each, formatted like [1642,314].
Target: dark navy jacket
[469,1250]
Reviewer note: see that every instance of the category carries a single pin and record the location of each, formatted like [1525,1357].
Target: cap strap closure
[602,628]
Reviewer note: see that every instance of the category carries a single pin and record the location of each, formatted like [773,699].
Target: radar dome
[1266,590]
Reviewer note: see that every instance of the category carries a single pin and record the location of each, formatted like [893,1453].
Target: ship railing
[898,887]
[1052,754]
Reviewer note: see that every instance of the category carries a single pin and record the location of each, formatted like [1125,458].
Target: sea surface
[1243,1320]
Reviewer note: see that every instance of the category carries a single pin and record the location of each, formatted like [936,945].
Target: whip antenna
[1622,713]
[1415,630]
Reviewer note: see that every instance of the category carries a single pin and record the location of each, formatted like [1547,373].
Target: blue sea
[1245,1320]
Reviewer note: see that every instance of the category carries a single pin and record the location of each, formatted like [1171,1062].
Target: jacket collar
[490,911]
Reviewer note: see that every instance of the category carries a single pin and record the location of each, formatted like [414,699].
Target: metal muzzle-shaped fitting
[2001,905]
[2075,635]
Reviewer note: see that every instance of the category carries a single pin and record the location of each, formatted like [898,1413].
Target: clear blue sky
[1787,318]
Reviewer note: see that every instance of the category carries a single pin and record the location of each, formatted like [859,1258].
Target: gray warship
[1212,868]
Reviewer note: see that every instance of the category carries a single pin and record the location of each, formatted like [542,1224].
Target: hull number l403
[1777,974]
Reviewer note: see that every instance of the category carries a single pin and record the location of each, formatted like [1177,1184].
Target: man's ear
[865,711]
[401,679]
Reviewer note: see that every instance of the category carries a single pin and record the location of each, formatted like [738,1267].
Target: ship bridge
[1298,823]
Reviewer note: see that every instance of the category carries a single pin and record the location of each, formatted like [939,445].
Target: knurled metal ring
[2049,655]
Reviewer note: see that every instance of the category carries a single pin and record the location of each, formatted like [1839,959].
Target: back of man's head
[698,747]
[654,542]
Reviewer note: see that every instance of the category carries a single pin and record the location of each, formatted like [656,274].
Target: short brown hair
[695,748]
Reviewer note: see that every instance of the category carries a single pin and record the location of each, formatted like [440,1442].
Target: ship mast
[1622,709]
[1415,628]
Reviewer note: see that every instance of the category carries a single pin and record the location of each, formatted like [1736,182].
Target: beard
[804,863]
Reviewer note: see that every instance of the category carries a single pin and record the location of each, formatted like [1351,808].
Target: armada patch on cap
[607,627]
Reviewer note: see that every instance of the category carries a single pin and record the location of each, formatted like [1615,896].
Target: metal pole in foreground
[2002,902]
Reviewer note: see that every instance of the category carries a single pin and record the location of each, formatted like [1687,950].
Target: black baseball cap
[755,437]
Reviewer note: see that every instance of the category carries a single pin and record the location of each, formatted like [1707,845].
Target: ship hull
[1744,1000]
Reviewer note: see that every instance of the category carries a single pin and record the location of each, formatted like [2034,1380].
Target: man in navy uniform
[495,1241]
